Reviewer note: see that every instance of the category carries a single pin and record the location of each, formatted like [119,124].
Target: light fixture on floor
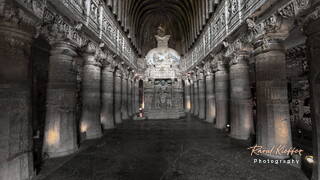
[309,159]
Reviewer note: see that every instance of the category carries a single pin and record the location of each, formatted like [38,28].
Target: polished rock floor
[168,150]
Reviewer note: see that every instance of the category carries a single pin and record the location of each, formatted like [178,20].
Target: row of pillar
[108,96]
[225,99]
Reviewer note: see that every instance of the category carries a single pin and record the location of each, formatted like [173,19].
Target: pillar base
[61,154]
[239,137]
[94,136]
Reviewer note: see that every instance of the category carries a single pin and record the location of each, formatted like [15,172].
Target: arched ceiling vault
[183,20]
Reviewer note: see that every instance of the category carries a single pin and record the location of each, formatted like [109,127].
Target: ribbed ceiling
[183,19]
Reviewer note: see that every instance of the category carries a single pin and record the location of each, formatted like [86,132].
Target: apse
[184,20]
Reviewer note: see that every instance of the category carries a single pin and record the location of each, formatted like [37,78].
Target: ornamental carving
[10,13]
[97,18]
[278,24]
[272,24]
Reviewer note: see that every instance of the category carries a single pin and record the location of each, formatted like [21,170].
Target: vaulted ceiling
[183,19]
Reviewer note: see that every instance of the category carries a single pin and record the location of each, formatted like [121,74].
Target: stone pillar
[117,96]
[136,96]
[124,98]
[196,96]
[221,91]
[129,104]
[210,97]
[202,96]
[187,96]
[16,160]
[107,87]
[273,120]
[60,127]
[241,116]
[90,122]
[133,97]
[312,30]
[192,95]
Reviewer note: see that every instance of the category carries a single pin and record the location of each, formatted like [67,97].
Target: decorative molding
[94,15]
[228,19]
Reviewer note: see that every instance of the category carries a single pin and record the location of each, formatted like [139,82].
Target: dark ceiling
[183,19]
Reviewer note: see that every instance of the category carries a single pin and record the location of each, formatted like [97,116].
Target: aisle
[168,150]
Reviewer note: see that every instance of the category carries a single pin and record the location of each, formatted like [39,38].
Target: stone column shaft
[241,116]
[192,96]
[117,96]
[60,127]
[16,159]
[196,98]
[90,122]
[273,119]
[221,91]
[187,96]
[312,29]
[107,118]
[136,97]
[133,98]
[129,104]
[202,97]
[124,99]
[210,99]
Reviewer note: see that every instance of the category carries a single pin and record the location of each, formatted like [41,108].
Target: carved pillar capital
[11,15]
[312,23]
[240,58]
[89,48]
[221,65]
[91,54]
[209,69]
[16,30]
[108,65]
[124,75]
[193,75]
[266,45]
[239,50]
[200,74]
[275,27]
[100,55]
[64,47]
[118,73]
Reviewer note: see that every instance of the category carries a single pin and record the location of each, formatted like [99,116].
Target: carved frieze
[92,14]
[12,15]
[231,14]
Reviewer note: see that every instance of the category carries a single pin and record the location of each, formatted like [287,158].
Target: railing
[93,15]
[229,16]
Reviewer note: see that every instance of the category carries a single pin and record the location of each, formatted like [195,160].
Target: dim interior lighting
[83,127]
[309,159]
[228,125]
[188,105]
[282,131]
[53,137]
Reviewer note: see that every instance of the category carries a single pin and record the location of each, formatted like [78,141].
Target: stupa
[163,92]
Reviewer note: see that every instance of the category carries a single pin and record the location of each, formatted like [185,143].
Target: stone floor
[168,150]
